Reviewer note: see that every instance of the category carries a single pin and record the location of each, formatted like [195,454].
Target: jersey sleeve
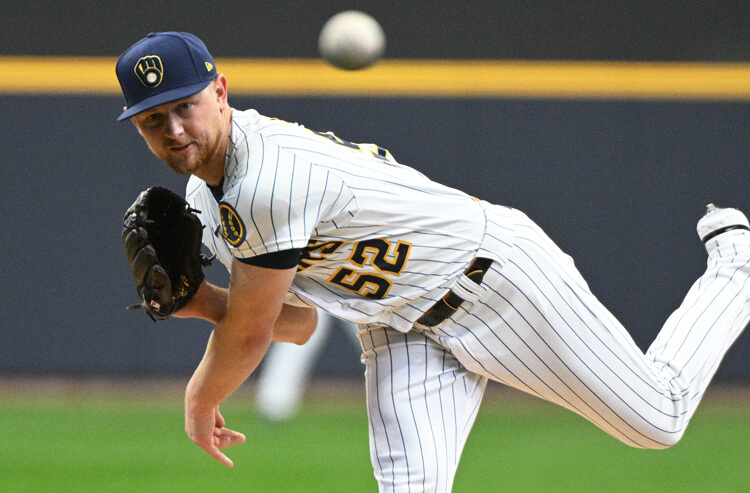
[284,259]
[199,197]
[280,203]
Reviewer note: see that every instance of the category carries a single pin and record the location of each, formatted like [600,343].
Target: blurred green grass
[116,443]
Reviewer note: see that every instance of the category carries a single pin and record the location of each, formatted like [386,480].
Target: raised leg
[538,328]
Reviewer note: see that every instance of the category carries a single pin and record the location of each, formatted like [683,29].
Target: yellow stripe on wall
[410,78]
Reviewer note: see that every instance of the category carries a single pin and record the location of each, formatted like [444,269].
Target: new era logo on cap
[161,68]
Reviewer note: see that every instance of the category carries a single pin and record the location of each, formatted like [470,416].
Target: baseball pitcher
[448,291]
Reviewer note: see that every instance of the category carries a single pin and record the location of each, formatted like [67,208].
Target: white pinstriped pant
[538,328]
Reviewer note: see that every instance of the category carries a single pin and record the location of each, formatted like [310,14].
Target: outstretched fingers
[223,438]
[208,432]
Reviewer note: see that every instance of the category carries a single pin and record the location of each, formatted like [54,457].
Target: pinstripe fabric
[421,403]
[291,185]
[538,328]
[533,324]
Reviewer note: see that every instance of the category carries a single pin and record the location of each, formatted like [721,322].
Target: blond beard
[187,166]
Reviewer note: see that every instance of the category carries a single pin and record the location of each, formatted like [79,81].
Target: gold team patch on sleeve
[232,227]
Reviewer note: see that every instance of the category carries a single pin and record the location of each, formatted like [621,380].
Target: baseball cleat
[718,220]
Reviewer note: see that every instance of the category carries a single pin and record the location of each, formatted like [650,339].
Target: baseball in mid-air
[351,40]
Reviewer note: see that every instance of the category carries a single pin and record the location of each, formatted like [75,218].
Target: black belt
[449,304]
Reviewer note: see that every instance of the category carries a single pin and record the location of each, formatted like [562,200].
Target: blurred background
[616,160]
[617,181]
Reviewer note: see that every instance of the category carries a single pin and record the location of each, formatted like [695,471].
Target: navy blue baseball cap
[161,68]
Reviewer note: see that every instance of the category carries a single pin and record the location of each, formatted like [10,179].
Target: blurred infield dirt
[720,394]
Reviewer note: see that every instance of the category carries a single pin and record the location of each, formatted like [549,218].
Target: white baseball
[351,40]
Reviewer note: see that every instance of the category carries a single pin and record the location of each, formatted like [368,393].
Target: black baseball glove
[162,238]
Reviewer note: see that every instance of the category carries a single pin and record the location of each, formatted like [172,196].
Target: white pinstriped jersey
[380,241]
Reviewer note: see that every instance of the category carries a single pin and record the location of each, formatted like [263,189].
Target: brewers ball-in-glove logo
[232,227]
[149,70]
